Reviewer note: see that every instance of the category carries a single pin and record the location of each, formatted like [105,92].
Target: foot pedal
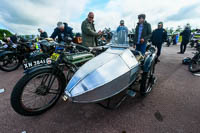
[131,93]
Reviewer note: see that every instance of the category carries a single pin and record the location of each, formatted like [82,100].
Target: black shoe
[158,60]
[180,53]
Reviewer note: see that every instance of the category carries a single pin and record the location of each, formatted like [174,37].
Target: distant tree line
[6,32]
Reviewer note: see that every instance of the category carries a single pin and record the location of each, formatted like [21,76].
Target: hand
[99,33]
[134,46]
[142,40]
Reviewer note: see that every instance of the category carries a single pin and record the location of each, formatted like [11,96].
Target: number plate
[55,56]
[36,63]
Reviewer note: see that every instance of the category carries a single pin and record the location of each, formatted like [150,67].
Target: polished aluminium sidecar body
[104,76]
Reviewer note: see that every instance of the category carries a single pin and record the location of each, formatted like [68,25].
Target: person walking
[186,34]
[158,38]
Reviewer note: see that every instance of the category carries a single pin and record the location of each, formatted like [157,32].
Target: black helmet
[142,16]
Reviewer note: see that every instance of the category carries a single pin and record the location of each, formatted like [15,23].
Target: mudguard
[7,52]
[36,68]
[148,62]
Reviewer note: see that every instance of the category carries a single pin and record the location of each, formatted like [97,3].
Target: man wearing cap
[43,34]
[122,27]
[186,34]
[142,34]
[159,35]
[89,34]
[62,31]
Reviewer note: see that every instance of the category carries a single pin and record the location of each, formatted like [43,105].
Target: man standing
[158,37]
[62,31]
[142,34]
[186,34]
[89,34]
[43,34]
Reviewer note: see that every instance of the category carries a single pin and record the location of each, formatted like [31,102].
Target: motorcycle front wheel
[37,92]
[194,66]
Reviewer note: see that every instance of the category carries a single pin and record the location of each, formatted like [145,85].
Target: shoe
[180,53]
[158,60]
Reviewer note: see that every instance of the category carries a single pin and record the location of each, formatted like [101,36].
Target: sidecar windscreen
[120,39]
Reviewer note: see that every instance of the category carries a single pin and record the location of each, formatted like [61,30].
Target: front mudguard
[149,60]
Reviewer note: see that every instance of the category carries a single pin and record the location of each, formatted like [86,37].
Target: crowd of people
[143,33]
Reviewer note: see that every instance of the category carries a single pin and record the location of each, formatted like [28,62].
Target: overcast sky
[26,16]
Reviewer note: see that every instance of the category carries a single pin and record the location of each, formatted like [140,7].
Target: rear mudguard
[34,69]
[151,58]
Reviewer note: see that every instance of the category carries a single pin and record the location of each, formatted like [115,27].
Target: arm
[54,34]
[148,33]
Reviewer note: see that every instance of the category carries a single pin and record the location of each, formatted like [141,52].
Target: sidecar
[109,73]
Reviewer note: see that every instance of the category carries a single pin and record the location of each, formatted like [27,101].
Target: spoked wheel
[37,92]
[9,62]
[195,64]
[148,80]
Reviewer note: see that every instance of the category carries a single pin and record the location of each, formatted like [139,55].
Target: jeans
[141,48]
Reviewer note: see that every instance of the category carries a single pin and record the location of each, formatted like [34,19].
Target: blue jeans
[141,48]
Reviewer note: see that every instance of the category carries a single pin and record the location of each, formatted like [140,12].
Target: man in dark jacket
[142,34]
[62,31]
[43,34]
[158,37]
[89,34]
[186,34]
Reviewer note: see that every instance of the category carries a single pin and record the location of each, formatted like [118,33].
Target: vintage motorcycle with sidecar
[99,79]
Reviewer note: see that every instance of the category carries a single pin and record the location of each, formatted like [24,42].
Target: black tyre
[9,62]
[34,99]
[194,66]
[147,81]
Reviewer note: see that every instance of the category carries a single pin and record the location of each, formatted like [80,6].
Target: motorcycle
[194,65]
[48,80]
[11,59]
[99,79]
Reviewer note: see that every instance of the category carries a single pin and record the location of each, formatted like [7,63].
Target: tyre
[147,81]
[9,62]
[37,92]
[194,66]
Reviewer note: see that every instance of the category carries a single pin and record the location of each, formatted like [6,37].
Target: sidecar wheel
[148,80]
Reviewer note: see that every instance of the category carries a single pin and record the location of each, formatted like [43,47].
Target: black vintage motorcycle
[39,82]
[11,59]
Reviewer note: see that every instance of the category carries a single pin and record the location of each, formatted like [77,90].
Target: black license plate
[37,63]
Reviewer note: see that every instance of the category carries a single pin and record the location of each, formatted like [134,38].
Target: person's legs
[143,48]
[138,48]
[159,47]
[185,47]
[181,47]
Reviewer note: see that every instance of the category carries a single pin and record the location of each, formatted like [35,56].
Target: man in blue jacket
[186,34]
[158,37]
[62,31]
[142,34]
[122,27]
